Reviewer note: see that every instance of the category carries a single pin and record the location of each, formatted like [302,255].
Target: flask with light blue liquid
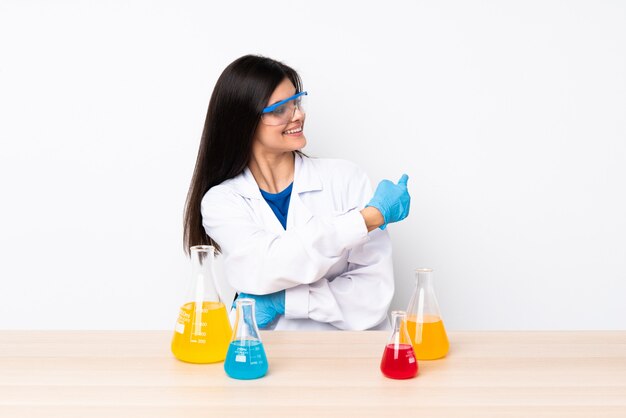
[246,357]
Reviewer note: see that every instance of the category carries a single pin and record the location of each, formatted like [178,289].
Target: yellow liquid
[429,338]
[205,341]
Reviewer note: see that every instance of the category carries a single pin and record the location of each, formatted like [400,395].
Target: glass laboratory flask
[424,322]
[202,331]
[398,360]
[246,357]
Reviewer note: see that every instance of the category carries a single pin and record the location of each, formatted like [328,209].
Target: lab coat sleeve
[359,298]
[259,261]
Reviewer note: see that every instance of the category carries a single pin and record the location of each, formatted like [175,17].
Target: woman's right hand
[392,200]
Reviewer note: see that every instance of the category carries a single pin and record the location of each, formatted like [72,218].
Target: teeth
[294,131]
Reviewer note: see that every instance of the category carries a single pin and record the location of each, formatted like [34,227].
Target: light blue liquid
[246,360]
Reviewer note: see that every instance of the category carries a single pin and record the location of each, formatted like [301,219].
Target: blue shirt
[279,202]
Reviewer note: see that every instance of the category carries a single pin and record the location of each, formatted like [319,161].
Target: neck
[273,172]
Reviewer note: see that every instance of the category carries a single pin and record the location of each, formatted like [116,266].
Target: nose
[297,113]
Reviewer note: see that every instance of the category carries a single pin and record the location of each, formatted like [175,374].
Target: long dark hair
[239,96]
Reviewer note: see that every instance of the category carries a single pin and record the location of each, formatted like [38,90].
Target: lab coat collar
[305,179]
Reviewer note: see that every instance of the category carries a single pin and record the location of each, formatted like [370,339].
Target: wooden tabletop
[487,374]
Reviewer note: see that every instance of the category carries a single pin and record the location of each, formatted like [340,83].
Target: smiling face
[282,138]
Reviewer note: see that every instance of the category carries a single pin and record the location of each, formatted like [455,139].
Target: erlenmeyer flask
[424,322]
[246,357]
[398,360]
[202,330]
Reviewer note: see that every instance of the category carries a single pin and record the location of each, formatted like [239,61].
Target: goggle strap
[282,102]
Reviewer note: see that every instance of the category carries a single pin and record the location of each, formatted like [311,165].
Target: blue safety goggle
[282,102]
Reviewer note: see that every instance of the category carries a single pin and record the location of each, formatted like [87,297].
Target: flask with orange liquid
[202,332]
[424,322]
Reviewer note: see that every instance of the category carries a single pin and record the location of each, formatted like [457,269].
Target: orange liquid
[429,338]
[202,337]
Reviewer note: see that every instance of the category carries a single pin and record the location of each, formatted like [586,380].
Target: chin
[298,143]
[302,145]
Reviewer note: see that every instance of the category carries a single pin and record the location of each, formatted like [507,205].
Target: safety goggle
[281,113]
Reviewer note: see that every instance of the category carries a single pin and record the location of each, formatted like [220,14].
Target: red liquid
[399,364]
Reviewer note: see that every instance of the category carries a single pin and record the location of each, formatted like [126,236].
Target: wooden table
[487,374]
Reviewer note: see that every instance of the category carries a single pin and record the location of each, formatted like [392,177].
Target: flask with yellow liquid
[202,332]
[424,322]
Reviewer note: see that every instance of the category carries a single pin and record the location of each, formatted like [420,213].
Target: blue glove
[267,307]
[392,200]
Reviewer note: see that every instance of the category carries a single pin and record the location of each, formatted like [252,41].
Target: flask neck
[397,319]
[399,335]
[201,257]
[423,306]
[424,278]
[203,274]
[245,324]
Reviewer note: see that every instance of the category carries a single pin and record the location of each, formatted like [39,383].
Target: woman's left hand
[267,307]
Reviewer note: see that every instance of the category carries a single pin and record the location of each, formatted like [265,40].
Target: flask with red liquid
[399,360]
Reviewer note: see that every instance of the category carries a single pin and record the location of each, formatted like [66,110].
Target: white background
[509,117]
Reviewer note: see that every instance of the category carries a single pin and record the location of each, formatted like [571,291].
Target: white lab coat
[336,275]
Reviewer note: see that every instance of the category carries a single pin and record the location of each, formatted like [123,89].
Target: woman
[297,234]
